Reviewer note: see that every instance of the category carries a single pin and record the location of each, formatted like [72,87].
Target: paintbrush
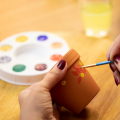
[97,64]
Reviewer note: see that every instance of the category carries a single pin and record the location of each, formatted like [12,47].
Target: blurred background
[47,15]
[63,18]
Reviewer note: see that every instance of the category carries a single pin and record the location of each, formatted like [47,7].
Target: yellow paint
[21,39]
[5,48]
[80,63]
[82,74]
[63,82]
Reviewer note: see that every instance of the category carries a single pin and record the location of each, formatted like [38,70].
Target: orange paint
[56,45]
[56,57]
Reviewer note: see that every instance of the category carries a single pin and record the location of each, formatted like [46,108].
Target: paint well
[31,52]
[42,38]
[56,45]
[5,47]
[21,39]
[56,57]
[19,68]
[28,50]
[41,67]
[5,59]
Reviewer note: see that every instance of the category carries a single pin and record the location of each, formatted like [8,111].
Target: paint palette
[26,57]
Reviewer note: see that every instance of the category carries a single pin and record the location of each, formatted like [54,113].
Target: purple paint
[41,67]
[5,59]
[42,38]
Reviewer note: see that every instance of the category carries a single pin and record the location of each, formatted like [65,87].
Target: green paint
[19,68]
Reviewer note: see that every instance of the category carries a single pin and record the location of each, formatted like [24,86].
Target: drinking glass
[96,17]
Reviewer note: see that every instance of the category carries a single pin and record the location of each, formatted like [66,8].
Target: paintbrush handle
[97,64]
[105,62]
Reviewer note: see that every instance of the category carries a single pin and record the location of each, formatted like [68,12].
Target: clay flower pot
[77,88]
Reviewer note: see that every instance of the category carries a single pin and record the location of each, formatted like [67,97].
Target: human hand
[113,54]
[36,102]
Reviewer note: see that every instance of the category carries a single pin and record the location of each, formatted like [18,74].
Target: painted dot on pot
[5,59]
[21,39]
[19,68]
[80,63]
[56,57]
[41,67]
[42,38]
[63,82]
[5,47]
[56,45]
[82,74]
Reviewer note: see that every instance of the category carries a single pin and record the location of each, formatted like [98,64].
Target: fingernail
[61,64]
[116,81]
[118,71]
[117,58]
[109,58]
[111,68]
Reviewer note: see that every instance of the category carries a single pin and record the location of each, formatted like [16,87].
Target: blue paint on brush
[97,64]
[105,62]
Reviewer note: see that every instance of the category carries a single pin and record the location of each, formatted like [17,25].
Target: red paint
[83,70]
[78,69]
[77,72]
[79,79]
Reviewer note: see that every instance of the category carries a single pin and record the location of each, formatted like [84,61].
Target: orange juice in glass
[96,16]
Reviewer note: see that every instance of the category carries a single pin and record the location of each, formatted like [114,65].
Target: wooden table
[62,17]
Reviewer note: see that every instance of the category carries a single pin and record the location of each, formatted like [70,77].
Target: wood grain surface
[62,17]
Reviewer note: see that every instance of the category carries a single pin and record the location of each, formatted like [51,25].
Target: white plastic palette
[26,57]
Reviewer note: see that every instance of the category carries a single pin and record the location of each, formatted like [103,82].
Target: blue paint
[105,62]
[42,38]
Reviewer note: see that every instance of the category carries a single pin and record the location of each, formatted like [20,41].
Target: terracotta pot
[77,88]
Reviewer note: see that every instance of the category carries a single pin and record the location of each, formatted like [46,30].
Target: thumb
[55,75]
